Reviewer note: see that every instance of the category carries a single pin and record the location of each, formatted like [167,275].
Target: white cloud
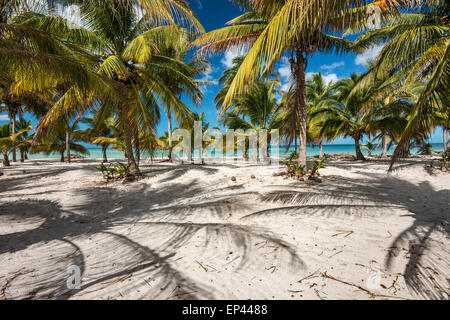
[232,53]
[286,78]
[199,4]
[285,69]
[327,78]
[331,77]
[4,117]
[369,54]
[332,66]
[207,76]
[285,74]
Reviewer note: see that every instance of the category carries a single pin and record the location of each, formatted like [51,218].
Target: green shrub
[318,164]
[443,160]
[114,170]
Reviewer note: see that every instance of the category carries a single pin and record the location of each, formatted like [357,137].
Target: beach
[191,232]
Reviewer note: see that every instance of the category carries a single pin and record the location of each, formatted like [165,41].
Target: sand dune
[189,232]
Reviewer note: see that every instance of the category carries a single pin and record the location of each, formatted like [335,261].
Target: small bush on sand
[114,171]
[318,164]
[298,171]
[444,161]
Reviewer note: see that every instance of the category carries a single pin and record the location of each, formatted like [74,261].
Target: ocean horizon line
[331,149]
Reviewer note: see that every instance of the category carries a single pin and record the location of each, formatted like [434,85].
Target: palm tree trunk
[296,146]
[246,146]
[189,155]
[105,158]
[134,168]
[62,156]
[384,145]
[298,66]
[320,150]
[68,144]
[22,156]
[6,162]
[448,139]
[445,138]
[13,132]
[138,147]
[359,155]
[169,129]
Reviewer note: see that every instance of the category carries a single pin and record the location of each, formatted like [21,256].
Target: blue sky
[214,14]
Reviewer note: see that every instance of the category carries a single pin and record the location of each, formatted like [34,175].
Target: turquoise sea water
[96,153]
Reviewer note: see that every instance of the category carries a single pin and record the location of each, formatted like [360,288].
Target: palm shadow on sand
[104,216]
[423,243]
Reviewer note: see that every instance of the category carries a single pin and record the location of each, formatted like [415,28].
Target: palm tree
[56,143]
[188,124]
[370,146]
[441,118]
[127,57]
[100,126]
[226,79]
[257,110]
[416,47]
[12,108]
[348,116]
[177,49]
[12,101]
[389,119]
[23,140]
[7,141]
[425,149]
[292,28]
[318,94]
[165,146]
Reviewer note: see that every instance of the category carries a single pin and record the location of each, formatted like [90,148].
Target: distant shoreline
[96,153]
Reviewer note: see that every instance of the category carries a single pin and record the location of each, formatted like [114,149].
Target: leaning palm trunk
[403,150]
[6,162]
[359,155]
[105,158]
[169,128]
[320,150]
[134,169]
[448,139]
[384,145]
[445,138]
[68,144]
[138,147]
[12,114]
[13,132]
[298,66]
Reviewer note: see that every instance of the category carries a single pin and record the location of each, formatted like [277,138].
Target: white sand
[189,232]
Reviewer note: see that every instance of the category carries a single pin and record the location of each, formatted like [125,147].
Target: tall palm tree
[417,47]
[57,142]
[292,28]
[99,125]
[188,124]
[258,110]
[226,79]
[347,116]
[23,140]
[7,141]
[125,54]
[319,94]
[177,49]
[12,100]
